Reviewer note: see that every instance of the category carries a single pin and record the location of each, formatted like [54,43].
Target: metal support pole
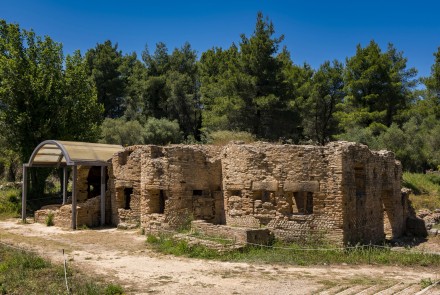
[102,195]
[65,180]
[24,187]
[74,174]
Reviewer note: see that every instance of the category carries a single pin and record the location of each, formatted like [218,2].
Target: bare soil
[121,256]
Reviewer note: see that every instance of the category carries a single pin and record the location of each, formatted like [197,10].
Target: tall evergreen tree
[244,88]
[378,86]
[327,94]
[432,97]
[104,62]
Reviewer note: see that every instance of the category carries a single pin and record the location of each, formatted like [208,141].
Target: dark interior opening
[359,178]
[236,193]
[161,202]
[263,195]
[303,202]
[94,181]
[197,192]
[128,191]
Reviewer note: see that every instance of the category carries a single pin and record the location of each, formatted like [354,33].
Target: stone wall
[124,186]
[180,183]
[88,214]
[292,190]
[342,192]
[371,195]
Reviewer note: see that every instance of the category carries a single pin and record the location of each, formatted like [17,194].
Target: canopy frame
[62,151]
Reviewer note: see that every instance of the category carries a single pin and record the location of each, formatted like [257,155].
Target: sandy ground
[122,257]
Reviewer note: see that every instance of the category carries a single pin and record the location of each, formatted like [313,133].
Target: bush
[114,290]
[49,219]
[162,132]
[425,188]
[120,131]
[10,202]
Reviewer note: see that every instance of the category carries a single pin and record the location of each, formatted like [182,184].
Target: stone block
[271,186]
[303,186]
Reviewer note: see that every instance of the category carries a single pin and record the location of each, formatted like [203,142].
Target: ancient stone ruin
[342,192]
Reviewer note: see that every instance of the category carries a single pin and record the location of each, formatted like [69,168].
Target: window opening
[236,193]
[128,191]
[161,202]
[359,179]
[303,202]
[197,192]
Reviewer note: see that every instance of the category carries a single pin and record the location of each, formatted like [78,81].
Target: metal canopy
[71,153]
[54,153]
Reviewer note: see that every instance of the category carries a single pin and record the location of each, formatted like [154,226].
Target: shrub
[120,131]
[114,290]
[162,132]
[10,202]
[49,219]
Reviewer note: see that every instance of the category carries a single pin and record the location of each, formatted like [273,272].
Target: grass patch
[10,202]
[218,239]
[168,245]
[291,253]
[425,283]
[26,273]
[49,219]
[426,190]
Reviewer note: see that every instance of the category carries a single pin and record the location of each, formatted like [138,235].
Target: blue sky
[314,31]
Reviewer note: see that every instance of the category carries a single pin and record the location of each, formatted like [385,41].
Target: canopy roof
[62,153]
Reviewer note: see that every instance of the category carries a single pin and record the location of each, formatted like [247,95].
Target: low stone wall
[88,214]
[238,234]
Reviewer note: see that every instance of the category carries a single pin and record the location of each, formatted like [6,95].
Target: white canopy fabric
[70,153]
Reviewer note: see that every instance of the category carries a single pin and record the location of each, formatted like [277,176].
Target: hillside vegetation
[425,190]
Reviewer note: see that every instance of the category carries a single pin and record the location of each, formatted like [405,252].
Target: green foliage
[171,89]
[80,108]
[242,89]
[162,132]
[415,144]
[326,96]
[423,183]
[155,131]
[424,283]
[223,137]
[9,161]
[252,87]
[168,245]
[425,188]
[10,202]
[377,85]
[299,254]
[49,219]
[433,84]
[39,99]
[103,66]
[120,131]
[26,273]
[113,290]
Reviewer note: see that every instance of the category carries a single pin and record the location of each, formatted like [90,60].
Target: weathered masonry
[342,191]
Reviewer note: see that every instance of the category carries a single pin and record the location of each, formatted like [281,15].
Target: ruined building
[341,191]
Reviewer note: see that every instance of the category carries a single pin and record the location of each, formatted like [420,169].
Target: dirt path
[122,257]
